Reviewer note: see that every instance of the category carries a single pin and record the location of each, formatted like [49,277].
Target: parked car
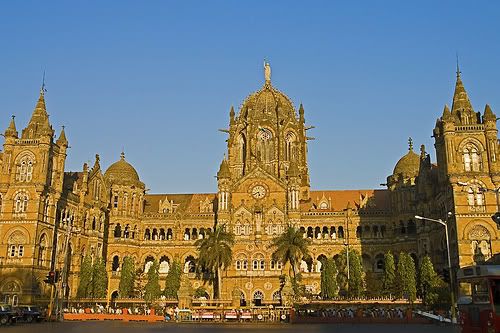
[29,313]
[7,315]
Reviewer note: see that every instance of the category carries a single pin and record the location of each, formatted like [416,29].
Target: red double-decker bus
[479,298]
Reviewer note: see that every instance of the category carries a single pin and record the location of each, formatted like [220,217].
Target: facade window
[238,265]
[475,197]
[20,203]
[115,201]
[471,158]
[244,264]
[262,264]
[24,172]
[290,147]
[20,250]
[1,201]
[12,251]
[255,265]
[265,145]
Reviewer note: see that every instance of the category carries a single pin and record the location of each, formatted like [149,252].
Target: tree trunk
[219,283]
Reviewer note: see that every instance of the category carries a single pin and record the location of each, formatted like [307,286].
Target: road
[120,327]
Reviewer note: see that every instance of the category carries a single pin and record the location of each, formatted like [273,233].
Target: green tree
[356,279]
[173,280]
[290,247]
[389,274]
[429,282]
[127,278]
[215,254]
[84,287]
[152,290]
[99,279]
[406,277]
[329,279]
[350,281]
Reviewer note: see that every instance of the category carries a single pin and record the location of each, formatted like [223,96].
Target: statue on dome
[267,71]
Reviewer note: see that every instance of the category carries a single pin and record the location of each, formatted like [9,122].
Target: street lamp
[452,292]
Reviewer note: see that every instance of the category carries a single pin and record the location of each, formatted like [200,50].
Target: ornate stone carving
[478,232]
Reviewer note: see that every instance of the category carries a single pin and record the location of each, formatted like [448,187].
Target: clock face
[258,192]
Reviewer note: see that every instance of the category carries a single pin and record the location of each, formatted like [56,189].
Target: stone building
[263,185]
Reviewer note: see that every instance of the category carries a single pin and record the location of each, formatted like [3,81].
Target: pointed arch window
[24,172]
[290,143]
[240,149]
[265,145]
[20,203]
[471,158]
[475,196]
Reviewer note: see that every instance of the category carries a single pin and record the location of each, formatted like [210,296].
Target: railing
[465,128]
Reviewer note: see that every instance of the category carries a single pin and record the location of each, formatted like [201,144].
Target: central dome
[122,172]
[265,101]
[408,165]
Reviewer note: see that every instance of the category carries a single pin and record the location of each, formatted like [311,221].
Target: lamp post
[452,292]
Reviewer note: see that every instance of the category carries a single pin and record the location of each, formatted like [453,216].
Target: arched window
[118,231]
[16,243]
[147,234]
[471,158]
[126,232]
[42,249]
[241,149]
[258,296]
[359,232]
[116,264]
[24,171]
[238,265]
[164,265]
[475,195]
[290,140]
[265,145]
[20,202]
[340,232]
[1,201]
[169,234]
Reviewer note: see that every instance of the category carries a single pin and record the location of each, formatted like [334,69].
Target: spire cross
[13,116]
[410,144]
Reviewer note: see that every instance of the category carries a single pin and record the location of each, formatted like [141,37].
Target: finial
[458,68]
[422,151]
[13,117]
[42,89]
[410,144]
[267,71]
[122,155]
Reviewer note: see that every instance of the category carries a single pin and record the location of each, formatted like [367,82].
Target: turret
[11,131]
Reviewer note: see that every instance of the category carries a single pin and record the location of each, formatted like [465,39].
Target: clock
[258,192]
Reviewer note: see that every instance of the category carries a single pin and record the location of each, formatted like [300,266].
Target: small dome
[122,172]
[408,165]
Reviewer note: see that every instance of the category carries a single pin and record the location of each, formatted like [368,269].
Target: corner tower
[468,177]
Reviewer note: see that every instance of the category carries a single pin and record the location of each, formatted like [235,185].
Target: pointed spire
[301,112]
[224,171]
[231,115]
[62,141]
[446,114]
[488,114]
[423,154]
[11,130]
[461,100]
[97,165]
[39,122]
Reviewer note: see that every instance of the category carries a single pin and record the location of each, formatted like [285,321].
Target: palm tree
[214,255]
[290,246]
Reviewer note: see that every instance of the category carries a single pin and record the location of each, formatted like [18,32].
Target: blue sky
[158,78]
